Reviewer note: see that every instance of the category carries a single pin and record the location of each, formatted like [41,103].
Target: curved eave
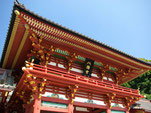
[21,8]
[124,80]
[80,35]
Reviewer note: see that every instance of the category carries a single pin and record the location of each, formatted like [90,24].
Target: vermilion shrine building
[58,70]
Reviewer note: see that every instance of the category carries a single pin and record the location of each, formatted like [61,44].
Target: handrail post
[45,68]
[96,82]
[29,65]
[76,77]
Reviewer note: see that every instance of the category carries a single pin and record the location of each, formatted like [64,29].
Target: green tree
[143,83]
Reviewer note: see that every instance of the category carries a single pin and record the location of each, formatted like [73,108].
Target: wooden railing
[77,77]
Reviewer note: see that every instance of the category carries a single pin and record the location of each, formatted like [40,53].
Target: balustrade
[76,77]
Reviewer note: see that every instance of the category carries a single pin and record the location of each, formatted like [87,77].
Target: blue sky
[121,24]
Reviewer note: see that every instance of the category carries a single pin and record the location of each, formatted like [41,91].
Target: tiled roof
[7,87]
[143,104]
[22,7]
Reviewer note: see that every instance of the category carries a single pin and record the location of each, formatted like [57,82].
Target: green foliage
[143,83]
[145,59]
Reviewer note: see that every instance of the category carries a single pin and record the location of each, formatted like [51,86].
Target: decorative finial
[17,2]
[17,12]
[22,5]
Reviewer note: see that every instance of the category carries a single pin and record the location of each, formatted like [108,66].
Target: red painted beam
[5,89]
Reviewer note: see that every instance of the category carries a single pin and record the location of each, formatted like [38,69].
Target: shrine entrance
[84,76]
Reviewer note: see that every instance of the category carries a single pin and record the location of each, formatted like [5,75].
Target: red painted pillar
[71,96]
[36,106]
[108,110]
[4,96]
[127,111]
[70,107]
[27,109]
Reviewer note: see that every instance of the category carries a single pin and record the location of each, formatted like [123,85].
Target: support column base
[127,112]
[108,111]
[36,106]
